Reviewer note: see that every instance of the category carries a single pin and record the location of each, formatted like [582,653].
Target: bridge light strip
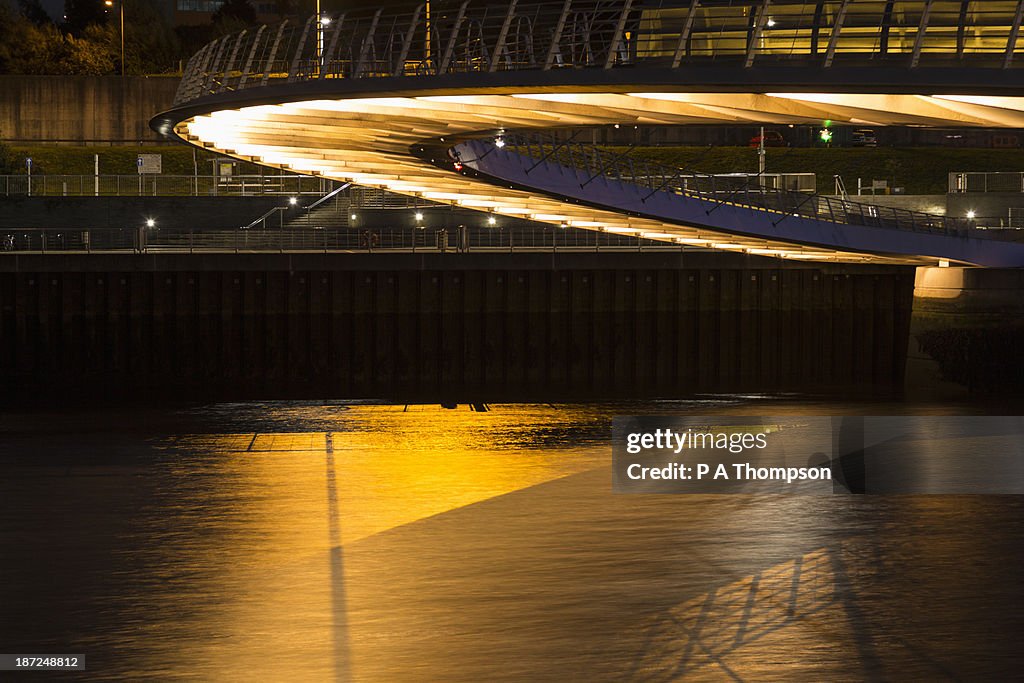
[347,139]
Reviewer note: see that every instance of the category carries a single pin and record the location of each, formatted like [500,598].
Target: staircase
[333,210]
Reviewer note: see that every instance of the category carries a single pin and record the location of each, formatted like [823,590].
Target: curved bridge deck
[378,99]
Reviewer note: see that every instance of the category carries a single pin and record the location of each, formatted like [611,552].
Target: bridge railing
[160,185]
[351,240]
[461,36]
[741,190]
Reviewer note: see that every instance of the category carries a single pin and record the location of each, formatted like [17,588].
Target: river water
[283,541]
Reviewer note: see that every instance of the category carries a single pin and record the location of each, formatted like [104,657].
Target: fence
[159,185]
[960,182]
[412,240]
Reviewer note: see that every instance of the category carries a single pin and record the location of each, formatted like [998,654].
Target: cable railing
[748,190]
[160,185]
[474,36]
[327,240]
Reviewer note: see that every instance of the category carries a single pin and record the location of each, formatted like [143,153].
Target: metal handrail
[263,219]
[740,190]
[330,195]
[161,185]
[344,240]
[474,36]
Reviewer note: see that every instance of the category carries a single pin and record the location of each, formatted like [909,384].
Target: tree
[237,12]
[29,45]
[8,161]
[80,13]
[93,53]
[34,12]
[150,45]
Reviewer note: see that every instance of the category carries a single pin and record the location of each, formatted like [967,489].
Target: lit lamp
[120,6]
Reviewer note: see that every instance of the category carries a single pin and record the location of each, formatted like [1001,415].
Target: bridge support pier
[967,332]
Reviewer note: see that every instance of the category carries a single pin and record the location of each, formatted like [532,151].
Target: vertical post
[556,37]
[122,38]
[962,28]
[684,36]
[96,174]
[231,60]
[367,43]
[407,42]
[620,29]
[273,53]
[252,53]
[921,29]
[499,47]
[450,49]
[1011,42]
[755,36]
[293,71]
[760,154]
[214,64]
[833,39]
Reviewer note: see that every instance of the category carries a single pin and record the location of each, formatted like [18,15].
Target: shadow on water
[698,637]
[340,627]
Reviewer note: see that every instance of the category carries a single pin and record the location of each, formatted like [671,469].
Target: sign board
[150,163]
[879,184]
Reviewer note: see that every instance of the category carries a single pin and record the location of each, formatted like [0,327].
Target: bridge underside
[398,142]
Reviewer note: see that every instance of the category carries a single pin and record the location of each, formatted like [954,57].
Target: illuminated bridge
[473,103]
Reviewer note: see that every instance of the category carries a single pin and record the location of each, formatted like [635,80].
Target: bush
[8,160]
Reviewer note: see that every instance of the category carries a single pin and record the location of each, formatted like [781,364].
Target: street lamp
[120,6]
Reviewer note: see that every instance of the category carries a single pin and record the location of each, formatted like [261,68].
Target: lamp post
[120,6]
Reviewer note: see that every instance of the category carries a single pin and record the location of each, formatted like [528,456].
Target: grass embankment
[177,160]
[920,170]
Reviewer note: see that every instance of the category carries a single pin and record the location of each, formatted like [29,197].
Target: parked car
[864,137]
[772,138]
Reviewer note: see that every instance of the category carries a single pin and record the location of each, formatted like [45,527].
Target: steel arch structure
[382,100]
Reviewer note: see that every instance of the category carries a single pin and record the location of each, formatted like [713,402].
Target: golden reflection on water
[274,544]
[389,546]
[408,466]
